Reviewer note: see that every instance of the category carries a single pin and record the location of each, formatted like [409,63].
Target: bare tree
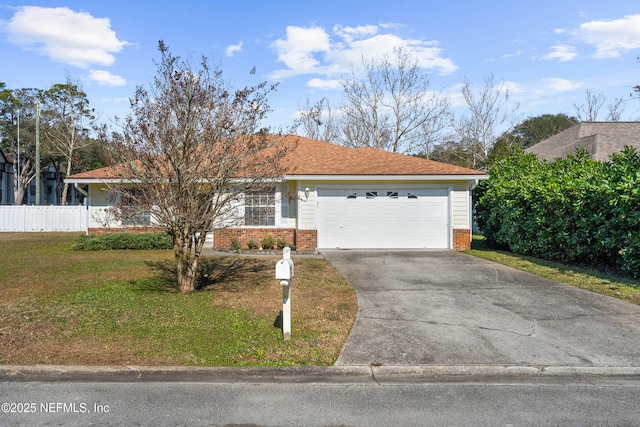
[489,108]
[387,104]
[68,119]
[590,110]
[188,151]
[318,120]
[615,110]
[17,122]
[435,131]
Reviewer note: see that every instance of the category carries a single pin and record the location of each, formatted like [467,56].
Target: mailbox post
[284,273]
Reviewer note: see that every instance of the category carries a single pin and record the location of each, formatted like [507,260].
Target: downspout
[472,184]
[81,191]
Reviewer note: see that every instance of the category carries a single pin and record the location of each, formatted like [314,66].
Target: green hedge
[138,241]
[573,209]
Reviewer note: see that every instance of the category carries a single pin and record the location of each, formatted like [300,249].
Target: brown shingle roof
[312,157]
[600,139]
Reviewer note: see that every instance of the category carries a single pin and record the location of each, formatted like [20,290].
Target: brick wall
[304,240]
[461,239]
[307,240]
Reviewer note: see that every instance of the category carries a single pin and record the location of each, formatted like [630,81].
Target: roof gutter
[76,181]
[441,177]
[475,178]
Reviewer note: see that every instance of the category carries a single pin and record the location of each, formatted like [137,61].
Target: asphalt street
[252,397]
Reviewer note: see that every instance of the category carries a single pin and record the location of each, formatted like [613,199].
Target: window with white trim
[130,213]
[260,207]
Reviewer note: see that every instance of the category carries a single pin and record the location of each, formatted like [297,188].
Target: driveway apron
[448,308]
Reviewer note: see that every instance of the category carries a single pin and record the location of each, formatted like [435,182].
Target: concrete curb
[330,374]
[431,371]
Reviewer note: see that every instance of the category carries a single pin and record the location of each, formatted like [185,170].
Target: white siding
[98,203]
[307,205]
[460,208]
[284,209]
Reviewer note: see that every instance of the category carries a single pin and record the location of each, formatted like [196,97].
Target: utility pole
[38,177]
[17,180]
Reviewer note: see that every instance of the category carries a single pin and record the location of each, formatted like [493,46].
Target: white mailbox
[284,269]
[284,273]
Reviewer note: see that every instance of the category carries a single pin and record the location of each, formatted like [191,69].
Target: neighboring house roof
[600,139]
[9,157]
[312,158]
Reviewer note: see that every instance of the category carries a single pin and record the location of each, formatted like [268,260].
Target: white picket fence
[27,218]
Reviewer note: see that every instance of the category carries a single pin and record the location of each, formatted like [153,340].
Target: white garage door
[383,218]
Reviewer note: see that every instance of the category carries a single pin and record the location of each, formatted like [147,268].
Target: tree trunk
[187,266]
[65,187]
[18,195]
[65,191]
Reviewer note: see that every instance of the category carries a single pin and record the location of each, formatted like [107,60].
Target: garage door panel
[382,221]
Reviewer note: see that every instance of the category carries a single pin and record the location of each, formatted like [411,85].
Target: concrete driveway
[448,308]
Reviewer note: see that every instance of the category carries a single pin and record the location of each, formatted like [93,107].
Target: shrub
[251,244]
[235,245]
[282,242]
[573,209]
[268,242]
[120,241]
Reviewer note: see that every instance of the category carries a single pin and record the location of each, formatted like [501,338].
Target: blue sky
[548,53]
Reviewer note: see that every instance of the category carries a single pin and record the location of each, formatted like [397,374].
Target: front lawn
[601,280]
[60,306]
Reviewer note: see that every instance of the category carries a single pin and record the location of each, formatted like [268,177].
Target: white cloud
[351,33]
[562,53]
[66,36]
[512,87]
[105,78]
[232,49]
[115,100]
[611,38]
[518,52]
[324,84]
[314,51]
[298,49]
[455,96]
[560,85]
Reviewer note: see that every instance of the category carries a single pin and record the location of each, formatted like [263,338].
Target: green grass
[603,281]
[184,329]
[62,306]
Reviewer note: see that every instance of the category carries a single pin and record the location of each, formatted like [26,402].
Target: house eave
[95,181]
[442,177]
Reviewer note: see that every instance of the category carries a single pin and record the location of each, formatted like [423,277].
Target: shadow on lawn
[228,274]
